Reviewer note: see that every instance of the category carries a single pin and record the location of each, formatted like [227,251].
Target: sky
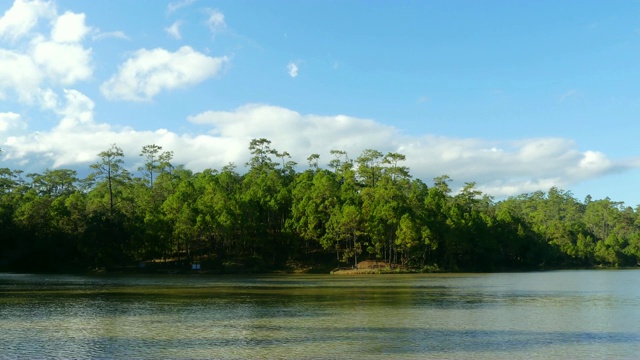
[516,96]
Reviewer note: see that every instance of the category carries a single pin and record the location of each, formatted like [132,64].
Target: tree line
[369,207]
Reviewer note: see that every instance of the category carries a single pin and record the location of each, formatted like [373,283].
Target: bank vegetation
[164,217]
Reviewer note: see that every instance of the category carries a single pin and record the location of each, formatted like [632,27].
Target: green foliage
[156,161]
[370,208]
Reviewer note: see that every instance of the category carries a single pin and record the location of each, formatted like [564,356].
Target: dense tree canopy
[270,214]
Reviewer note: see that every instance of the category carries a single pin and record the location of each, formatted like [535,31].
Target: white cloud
[78,110]
[77,140]
[48,99]
[321,133]
[174,30]
[292,69]
[99,35]
[69,28]
[37,62]
[499,168]
[24,16]
[18,74]
[172,7]
[73,140]
[149,72]
[9,120]
[65,63]
[216,22]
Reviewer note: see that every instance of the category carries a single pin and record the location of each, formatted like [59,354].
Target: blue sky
[516,96]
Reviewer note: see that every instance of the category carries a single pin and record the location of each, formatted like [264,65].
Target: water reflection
[585,314]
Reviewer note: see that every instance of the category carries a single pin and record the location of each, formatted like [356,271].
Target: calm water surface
[546,315]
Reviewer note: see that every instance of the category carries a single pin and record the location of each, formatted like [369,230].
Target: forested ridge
[270,215]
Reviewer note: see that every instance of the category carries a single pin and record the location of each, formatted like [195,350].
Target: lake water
[541,315]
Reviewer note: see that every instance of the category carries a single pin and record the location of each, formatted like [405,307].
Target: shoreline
[300,269]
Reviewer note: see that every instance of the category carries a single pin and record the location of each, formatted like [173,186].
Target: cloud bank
[499,168]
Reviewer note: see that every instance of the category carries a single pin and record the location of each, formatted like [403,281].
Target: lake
[587,314]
